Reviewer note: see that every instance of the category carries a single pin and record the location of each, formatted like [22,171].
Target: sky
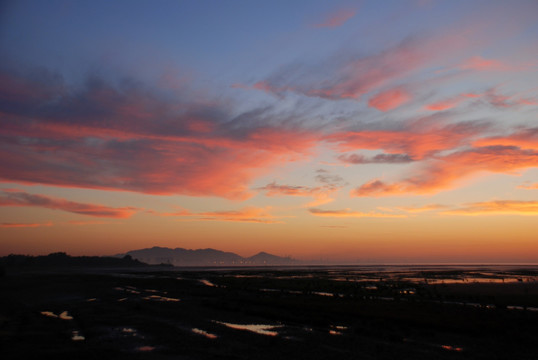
[341,131]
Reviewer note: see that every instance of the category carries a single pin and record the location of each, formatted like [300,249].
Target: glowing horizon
[350,131]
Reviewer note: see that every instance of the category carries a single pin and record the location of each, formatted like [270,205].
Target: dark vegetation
[319,313]
[61,259]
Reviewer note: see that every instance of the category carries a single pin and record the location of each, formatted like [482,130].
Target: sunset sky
[369,131]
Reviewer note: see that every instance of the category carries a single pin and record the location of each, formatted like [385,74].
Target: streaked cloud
[348,213]
[24,225]
[424,208]
[389,99]
[336,18]
[479,63]
[376,159]
[320,194]
[445,172]
[498,207]
[21,199]
[529,186]
[247,214]
[250,214]
[417,139]
[141,141]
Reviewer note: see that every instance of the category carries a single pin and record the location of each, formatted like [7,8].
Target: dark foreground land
[315,313]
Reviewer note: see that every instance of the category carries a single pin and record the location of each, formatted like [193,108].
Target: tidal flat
[368,312]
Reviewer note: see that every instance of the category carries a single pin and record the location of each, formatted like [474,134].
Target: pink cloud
[418,139]
[26,199]
[526,138]
[390,99]
[444,104]
[445,172]
[479,63]
[138,142]
[337,18]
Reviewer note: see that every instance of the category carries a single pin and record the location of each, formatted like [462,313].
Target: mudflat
[442,312]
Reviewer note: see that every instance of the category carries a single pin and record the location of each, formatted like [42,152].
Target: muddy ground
[310,313]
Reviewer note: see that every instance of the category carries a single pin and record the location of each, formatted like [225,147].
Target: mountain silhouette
[203,257]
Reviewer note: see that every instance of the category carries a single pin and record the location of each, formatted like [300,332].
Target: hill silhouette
[204,257]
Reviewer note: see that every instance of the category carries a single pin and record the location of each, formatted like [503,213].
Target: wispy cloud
[24,225]
[336,18]
[389,99]
[83,223]
[499,207]
[139,140]
[444,172]
[424,208]
[529,186]
[479,63]
[19,198]
[321,194]
[348,213]
[376,159]
[249,214]
[417,139]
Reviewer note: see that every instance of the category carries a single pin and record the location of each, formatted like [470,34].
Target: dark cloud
[377,159]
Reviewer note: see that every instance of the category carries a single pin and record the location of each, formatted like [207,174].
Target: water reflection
[160,298]
[145,348]
[75,336]
[204,333]
[257,328]
[451,348]
[65,316]
[207,282]
[49,314]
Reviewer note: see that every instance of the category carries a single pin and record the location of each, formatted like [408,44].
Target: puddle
[92,299]
[160,298]
[129,331]
[257,328]
[207,282]
[451,348]
[49,314]
[513,307]
[270,290]
[122,299]
[204,333]
[335,332]
[75,336]
[337,329]
[320,293]
[65,316]
[145,348]
[129,289]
